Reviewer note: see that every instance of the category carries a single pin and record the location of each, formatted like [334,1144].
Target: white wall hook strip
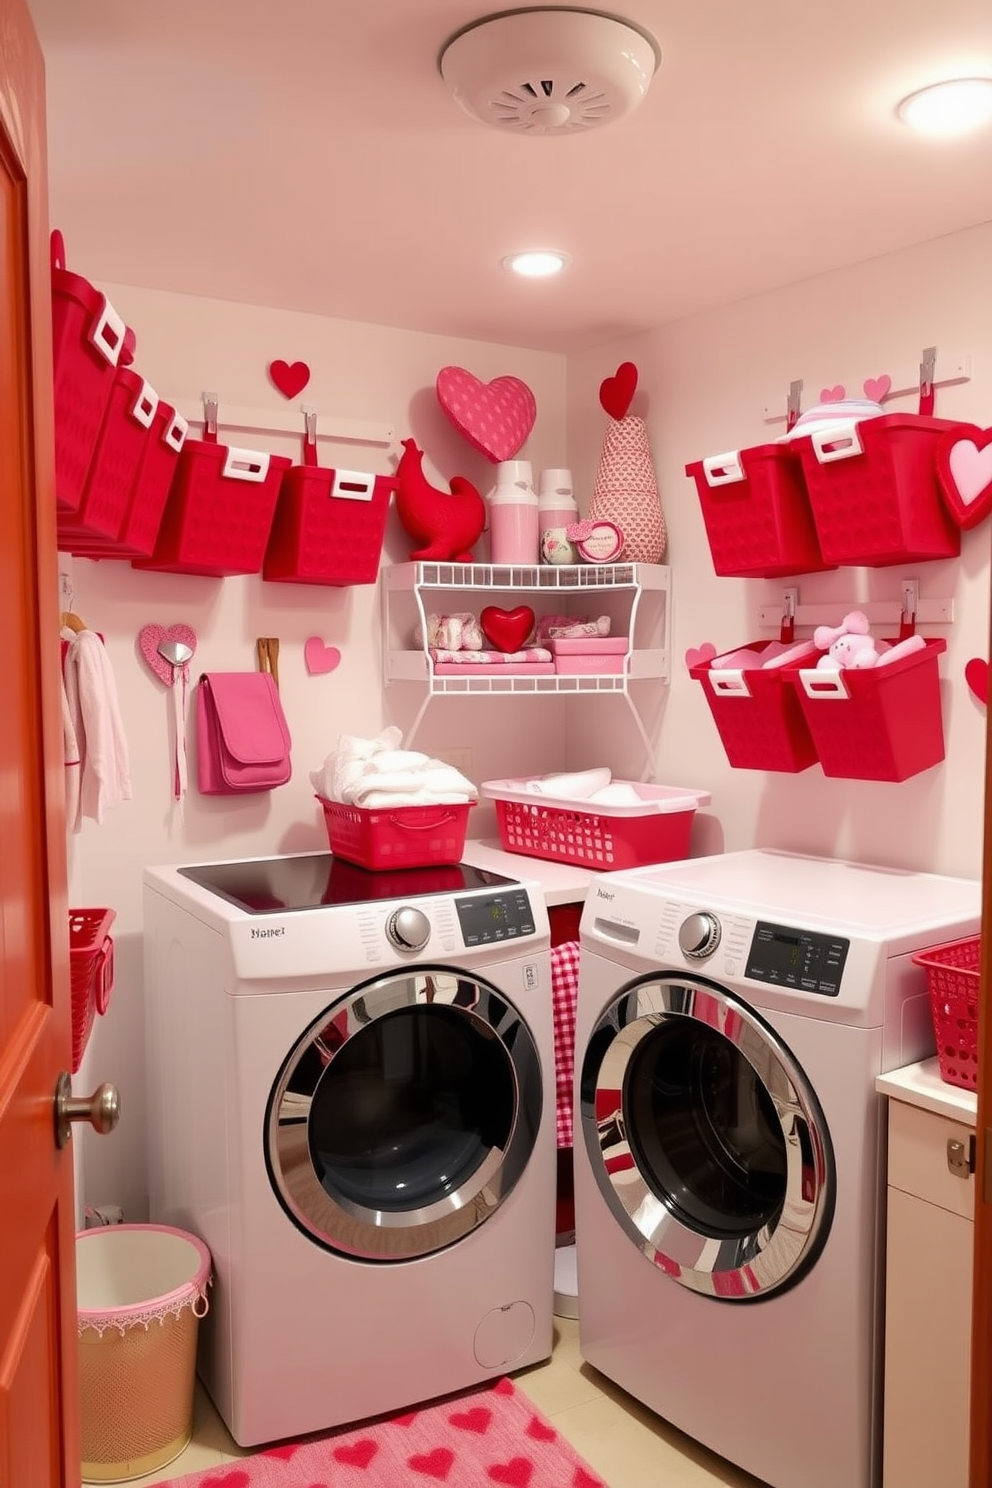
[951,368]
[287,421]
[879,612]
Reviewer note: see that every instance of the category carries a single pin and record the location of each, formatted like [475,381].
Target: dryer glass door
[404,1115]
[706,1139]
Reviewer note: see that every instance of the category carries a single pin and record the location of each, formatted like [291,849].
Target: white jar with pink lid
[513,515]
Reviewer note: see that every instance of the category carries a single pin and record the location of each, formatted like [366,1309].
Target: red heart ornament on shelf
[976,674]
[289,377]
[507,630]
[964,470]
[616,392]
[495,417]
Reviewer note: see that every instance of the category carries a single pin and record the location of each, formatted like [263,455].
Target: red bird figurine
[448,524]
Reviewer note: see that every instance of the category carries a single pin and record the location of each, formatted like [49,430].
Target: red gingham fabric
[564,990]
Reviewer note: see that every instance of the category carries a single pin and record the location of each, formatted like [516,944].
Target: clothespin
[927,367]
[787,629]
[210,406]
[907,615]
[309,436]
[794,404]
[267,652]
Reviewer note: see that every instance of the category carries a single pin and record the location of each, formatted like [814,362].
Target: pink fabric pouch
[242,737]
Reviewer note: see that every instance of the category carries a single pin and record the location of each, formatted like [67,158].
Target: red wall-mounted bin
[757,513]
[874,493]
[149,492]
[87,339]
[219,513]
[328,527]
[758,714]
[879,723]
[117,455]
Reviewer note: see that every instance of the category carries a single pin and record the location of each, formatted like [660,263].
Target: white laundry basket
[140,1290]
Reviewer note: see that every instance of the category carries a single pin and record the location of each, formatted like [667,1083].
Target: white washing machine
[351,1101]
[732,1015]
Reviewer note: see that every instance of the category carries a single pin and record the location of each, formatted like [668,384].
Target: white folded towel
[438,782]
[377,772]
[617,793]
[344,763]
[577,786]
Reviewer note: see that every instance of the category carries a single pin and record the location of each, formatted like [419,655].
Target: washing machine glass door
[404,1115]
[706,1139]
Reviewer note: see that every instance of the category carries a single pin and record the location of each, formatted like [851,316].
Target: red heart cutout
[436,1464]
[517,1473]
[289,378]
[507,630]
[616,392]
[976,673]
[476,1420]
[541,1430]
[360,1454]
[495,417]
[964,469]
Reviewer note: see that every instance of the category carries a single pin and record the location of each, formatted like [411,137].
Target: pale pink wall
[702,387]
[366,373]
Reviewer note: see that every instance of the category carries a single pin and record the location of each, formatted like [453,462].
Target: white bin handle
[175,434]
[353,485]
[723,470]
[245,465]
[145,405]
[840,442]
[729,682]
[823,682]
[107,333]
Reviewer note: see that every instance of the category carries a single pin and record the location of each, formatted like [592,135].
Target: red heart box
[964,469]
[507,630]
[616,392]
[495,417]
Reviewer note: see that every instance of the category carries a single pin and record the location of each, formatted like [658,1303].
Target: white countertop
[921,1085]
[562,884]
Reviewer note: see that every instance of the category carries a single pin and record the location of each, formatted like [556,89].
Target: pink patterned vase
[626,491]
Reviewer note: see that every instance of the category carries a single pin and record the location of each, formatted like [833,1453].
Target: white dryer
[351,1101]
[732,1015]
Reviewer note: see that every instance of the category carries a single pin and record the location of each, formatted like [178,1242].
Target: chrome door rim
[337,1222]
[772,1256]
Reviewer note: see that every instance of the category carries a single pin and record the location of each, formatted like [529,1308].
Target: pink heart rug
[492,1436]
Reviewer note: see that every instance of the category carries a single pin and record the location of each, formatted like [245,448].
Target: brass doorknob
[102,1110]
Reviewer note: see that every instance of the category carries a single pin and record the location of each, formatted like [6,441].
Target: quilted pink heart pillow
[495,417]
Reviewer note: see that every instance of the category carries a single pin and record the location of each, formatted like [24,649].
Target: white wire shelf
[569,577]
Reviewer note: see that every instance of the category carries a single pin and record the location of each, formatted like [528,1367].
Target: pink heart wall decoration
[832,394]
[877,388]
[495,417]
[964,471]
[150,637]
[976,674]
[696,655]
[320,659]
[289,377]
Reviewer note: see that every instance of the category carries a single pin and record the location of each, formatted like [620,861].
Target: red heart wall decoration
[495,417]
[976,674]
[318,658]
[616,392]
[289,377]
[507,630]
[964,470]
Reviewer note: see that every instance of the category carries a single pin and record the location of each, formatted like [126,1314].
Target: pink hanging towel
[564,991]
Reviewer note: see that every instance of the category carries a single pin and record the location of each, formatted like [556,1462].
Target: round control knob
[408,929]
[699,936]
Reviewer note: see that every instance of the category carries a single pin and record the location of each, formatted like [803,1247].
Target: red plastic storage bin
[952,980]
[219,513]
[328,527]
[880,723]
[396,836]
[757,513]
[149,492]
[91,972]
[87,339]
[758,714]
[117,455]
[874,491]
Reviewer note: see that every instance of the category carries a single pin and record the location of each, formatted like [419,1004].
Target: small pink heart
[319,658]
[436,1464]
[696,655]
[832,394]
[976,674]
[150,637]
[476,1420]
[495,417]
[360,1454]
[289,377]
[516,1473]
[877,388]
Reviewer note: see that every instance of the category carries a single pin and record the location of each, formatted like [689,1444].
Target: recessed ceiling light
[536,265]
[949,108]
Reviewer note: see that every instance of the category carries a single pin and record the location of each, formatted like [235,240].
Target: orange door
[39,1437]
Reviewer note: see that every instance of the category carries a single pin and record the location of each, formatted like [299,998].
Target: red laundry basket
[119,450]
[756,513]
[953,973]
[148,495]
[396,836]
[328,527]
[758,714]
[91,972]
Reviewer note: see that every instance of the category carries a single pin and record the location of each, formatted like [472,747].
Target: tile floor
[623,1442]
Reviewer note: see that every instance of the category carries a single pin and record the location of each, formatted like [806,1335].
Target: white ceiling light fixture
[549,69]
[945,109]
[536,263]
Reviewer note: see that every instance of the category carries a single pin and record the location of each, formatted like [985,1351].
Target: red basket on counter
[654,830]
[117,456]
[952,980]
[91,972]
[328,527]
[757,513]
[148,495]
[219,513]
[874,491]
[88,337]
[396,836]
[757,713]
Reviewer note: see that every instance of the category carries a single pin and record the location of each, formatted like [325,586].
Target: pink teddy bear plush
[849,645]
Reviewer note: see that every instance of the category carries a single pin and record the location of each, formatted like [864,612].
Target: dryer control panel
[803,959]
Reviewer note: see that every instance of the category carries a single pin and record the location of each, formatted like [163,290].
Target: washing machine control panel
[699,936]
[803,959]
[489,918]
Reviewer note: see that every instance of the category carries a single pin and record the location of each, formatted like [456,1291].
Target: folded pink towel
[477,658]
